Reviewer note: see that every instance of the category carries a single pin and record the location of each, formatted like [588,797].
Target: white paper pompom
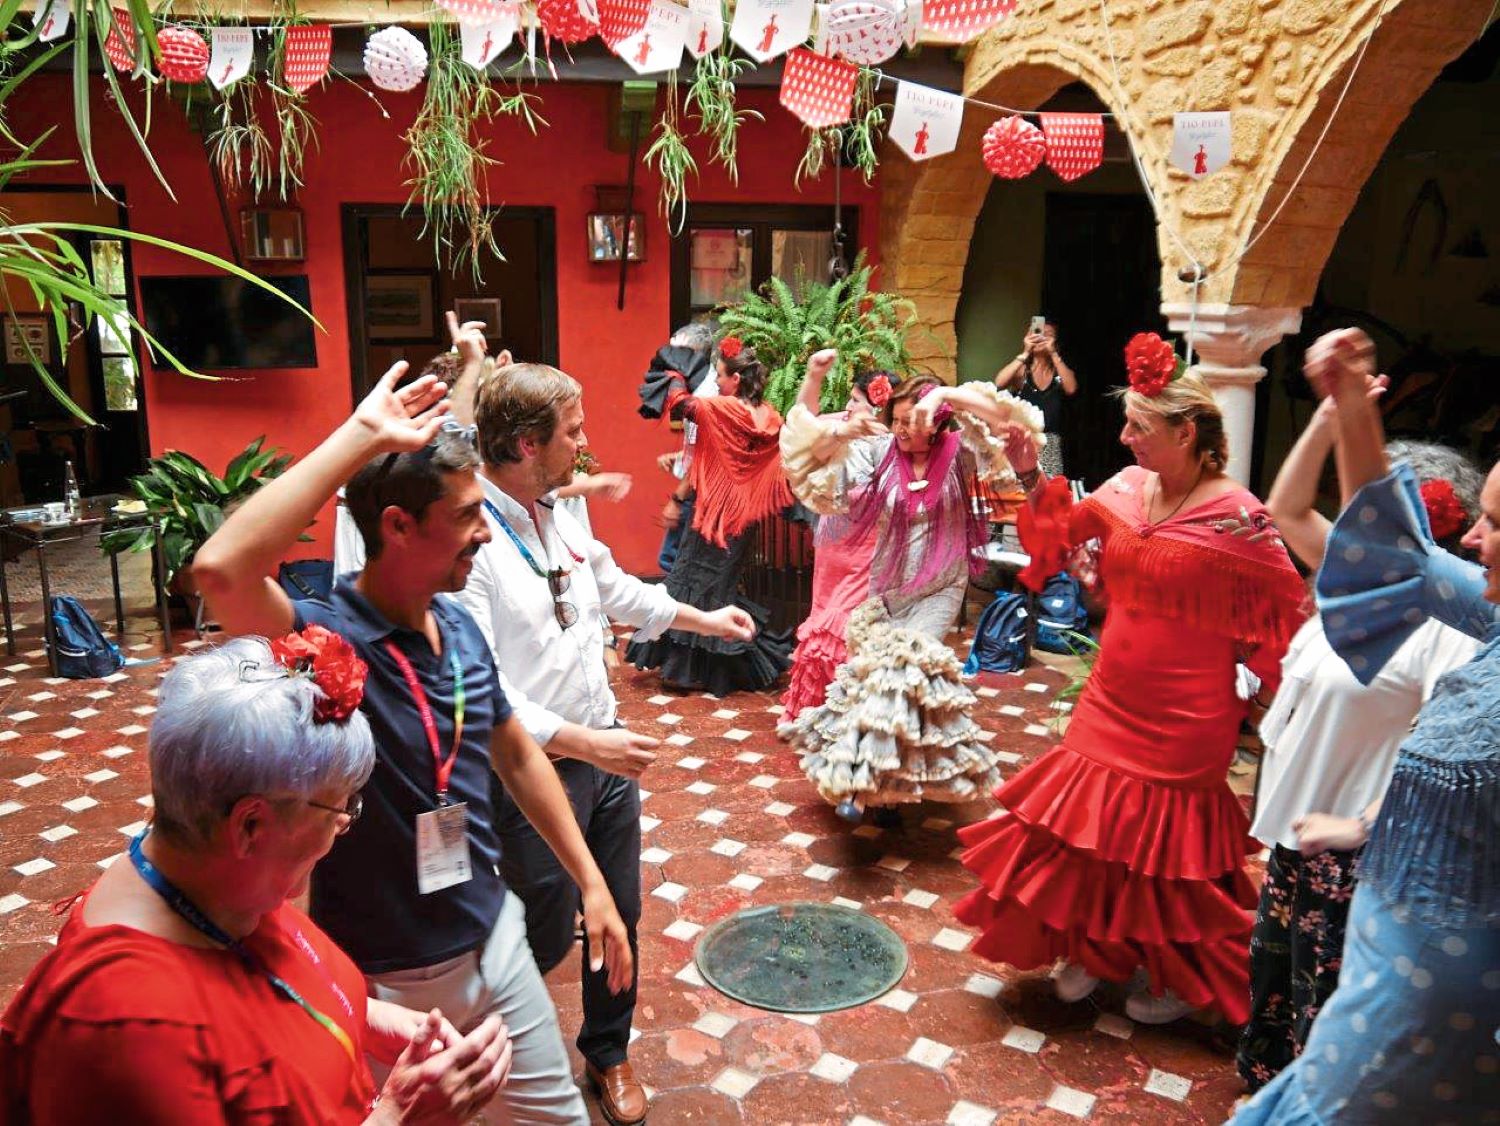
[395,59]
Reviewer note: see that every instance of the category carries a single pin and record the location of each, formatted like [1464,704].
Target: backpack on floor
[1002,638]
[81,649]
[1059,612]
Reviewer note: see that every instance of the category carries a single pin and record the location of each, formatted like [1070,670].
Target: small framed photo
[23,329]
[399,306]
[485,309]
[607,235]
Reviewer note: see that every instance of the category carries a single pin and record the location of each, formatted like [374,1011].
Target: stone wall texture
[1279,65]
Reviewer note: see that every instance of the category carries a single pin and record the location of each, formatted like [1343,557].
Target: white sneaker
[1072,982]
[1146,1009]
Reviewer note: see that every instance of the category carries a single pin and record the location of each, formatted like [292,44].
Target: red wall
[359,160]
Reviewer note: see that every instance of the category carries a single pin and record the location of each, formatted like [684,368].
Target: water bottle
[70,489]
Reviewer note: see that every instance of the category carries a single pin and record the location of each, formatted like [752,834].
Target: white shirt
[552,675]
[1330,743]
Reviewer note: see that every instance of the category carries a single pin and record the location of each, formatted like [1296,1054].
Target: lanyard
[209,929]
[442,769]
[521,547]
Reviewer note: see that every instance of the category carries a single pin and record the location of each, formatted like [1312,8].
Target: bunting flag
[619,20]
[51,19]
[233,52]
[817,89]
[307,49]
[481,42]
[1013,147]
[705,27]
[767,28]
[925,122]
[568,21]
[658,45]
[1201,142]
[964,19]
[481,13]
[119,44]
[1075,143]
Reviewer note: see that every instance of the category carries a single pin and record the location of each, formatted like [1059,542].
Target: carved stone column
[1228,342]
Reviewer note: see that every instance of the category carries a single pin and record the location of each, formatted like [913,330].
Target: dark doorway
[1101,285]
[397,295]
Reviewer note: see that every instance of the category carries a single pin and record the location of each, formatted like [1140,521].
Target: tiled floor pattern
[729,822]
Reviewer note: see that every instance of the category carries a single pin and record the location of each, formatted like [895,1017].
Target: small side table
[26,527]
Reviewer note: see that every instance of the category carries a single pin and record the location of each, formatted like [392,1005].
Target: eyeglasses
[350,809]
[558,582]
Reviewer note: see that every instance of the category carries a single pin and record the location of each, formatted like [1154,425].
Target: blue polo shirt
[364,892]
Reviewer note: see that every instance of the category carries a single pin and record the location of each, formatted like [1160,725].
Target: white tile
[146,800]
[714,817]
[117,752]
[683,931]
[39,696]
[726,847]
[678,739]
[58,833]
[808,1019]
[843,901]
[918,898]
[1036,688]
[893,863]
[776,709]
[736,735]
[100,776]
[49,756]
[26,781]
[716,1025]
[868,832]
[669,891]
[702,789]
[644,794]
[987,692]
[195,644]
[10,903]
[7,681]
[798,840]
[78,805]
[820,872]
[1071,1101]
[746,882]
[898,999]
[20,666]
[970,1114]
[1036,729]
[68,733]
[764,781]
[131,730]
[861,1120]
[660,701]
[734,1082]
[133,829]
[725,713]
[648,822]
[1168,1086]
[937,824]
[1112,1024]
[691,763]
[7,736]
[22,717]
[984,985]
[929,1053]
[33,867]
[669,719]
[950,939]
[689,975]
[108,860]
[833,1069]
[9,807]
[1009,758]
[144,709]
[780,809]
[1011,710]
[986,736]
[84,713]
[102,694]
[750,757]
[1024,1039]
[655,856]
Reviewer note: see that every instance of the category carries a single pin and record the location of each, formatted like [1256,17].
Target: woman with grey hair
[185,987]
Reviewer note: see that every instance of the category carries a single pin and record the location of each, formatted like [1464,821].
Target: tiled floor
[729,822]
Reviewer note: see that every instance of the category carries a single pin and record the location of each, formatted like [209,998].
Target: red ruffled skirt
[1124,846]
[841,582]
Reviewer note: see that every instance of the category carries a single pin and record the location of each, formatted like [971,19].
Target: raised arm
[1303,527]
[1340,365]
[819,364]
[234,566]
[1064,372]
[1011,372]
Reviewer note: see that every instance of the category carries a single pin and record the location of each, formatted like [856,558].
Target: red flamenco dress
[1124,846]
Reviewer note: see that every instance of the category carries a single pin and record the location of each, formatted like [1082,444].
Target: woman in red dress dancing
[1124,847]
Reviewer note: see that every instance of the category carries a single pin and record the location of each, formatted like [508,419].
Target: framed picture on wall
[486,309]
[607,235]
[22,329]
[400,304]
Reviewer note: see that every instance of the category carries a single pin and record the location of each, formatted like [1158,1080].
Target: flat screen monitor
[211,322]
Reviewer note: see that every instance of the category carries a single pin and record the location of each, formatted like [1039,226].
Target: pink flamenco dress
[1124,847]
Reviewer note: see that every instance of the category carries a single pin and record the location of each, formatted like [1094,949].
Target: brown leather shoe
[621,1097]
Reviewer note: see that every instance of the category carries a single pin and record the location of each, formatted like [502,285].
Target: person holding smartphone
[1039,376]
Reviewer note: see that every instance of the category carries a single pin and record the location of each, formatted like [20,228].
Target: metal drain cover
[801,957]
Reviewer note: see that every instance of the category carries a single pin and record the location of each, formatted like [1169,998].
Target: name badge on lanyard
[442,833]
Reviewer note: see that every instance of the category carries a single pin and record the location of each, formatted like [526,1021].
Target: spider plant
[1086,649]
[674,162]
[712,97]
[858,137]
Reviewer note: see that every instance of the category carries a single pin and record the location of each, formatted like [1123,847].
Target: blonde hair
[519,401]
[1187,398]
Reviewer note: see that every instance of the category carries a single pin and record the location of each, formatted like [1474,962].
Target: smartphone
[1037,325]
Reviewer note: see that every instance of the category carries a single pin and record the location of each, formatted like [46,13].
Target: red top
[117,1025]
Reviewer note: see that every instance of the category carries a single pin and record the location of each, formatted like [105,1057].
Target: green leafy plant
[858,138]
[867,326]
[674,162]
[1086,649]
[189,503]
[712,97]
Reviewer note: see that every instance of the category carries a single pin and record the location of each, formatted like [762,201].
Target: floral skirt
[1296,950]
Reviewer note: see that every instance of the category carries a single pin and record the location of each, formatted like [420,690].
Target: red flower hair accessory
[730,347]
[878,391]
[1150,363]
[333,665]
[1445,512]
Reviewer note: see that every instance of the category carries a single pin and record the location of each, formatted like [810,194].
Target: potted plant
[189,503]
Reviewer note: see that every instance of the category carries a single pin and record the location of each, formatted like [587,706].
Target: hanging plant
[238,143]
[859,137]
[712,97]
[297,130]
[674,162]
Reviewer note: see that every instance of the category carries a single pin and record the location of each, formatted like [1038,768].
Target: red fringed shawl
[736,467]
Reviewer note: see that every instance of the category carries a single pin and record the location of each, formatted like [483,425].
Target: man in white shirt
[536,590]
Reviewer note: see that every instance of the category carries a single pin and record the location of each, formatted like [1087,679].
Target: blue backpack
[1002,639]
[81,649]
[1060,611]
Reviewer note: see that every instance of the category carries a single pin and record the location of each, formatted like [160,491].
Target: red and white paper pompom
[184,54]
[1013,147]
[395,59]
[567,21]
[119,44]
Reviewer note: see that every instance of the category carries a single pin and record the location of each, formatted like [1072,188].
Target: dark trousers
[672,541]
[1296,952]
[608,809]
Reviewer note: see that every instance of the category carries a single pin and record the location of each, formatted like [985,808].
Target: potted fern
[867,326]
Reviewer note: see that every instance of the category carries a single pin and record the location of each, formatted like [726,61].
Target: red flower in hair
[1150,363]
[333,665]
[730,347]
[878,391]
[1445,512]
